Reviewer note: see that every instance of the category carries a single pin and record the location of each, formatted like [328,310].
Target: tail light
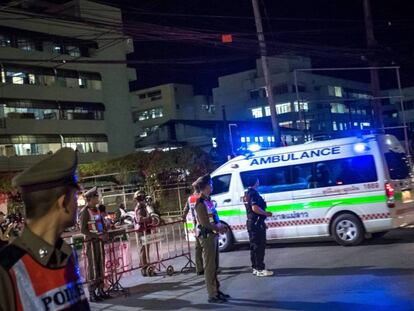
[389,192]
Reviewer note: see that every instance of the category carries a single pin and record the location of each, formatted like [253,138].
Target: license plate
[406,196]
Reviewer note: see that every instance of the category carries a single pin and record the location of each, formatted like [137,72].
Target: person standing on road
[208,227]
[256,215]
[93,227]
[189,215]
[38,270]
[143,222]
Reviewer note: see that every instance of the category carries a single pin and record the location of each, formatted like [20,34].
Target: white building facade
[45,104]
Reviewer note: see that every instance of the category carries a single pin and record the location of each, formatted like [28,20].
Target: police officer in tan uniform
[38,270]
[93,227]
[143,221]
[209,227]
[189,210]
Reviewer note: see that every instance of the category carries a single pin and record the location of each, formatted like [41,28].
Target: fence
[168,201]
[153,250]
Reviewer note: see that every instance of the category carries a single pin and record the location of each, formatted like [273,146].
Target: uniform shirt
[47,255]
[202,213]
[142,216]
[254,198]
[84,225]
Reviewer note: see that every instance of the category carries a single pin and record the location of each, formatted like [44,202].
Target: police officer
[208,227]
[93,227]
[189,215]
[256,215]
[143,221]
[39,271]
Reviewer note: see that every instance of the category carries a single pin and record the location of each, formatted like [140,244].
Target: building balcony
[18,163]
[32,126]
[51,92]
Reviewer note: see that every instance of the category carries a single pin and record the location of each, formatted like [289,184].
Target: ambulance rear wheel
[347,230]
[225,240]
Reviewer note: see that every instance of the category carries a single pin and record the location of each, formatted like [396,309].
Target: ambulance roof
[230,165]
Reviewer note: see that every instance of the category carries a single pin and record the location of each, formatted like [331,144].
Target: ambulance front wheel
[347,230]
[225,240]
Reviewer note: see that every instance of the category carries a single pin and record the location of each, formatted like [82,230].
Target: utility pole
[266,73]
[375,83]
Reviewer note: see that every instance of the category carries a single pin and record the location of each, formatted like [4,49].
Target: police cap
[93,192]
[139,193]
[57,170]
[202,182]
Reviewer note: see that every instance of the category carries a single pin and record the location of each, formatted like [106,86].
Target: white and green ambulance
[348,188]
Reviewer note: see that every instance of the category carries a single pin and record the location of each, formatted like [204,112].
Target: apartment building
[54,91]
[323,104]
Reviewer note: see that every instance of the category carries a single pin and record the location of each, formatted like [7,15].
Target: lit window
[335,91]
[73,51]
[26,44]
[17,77]
[257,112]
[304,106]
[248,139]
[243,139]
[261,139]
[32,78]
[57,49]
[256,139]
[338,91]
[4,40]
[267,111]
[283,108]
[334,126]
[339,108]
[214,142]
[149,114]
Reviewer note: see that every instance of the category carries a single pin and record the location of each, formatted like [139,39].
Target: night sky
[330,32]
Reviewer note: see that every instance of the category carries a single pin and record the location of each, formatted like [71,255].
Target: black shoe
[95,298]
[104,295]
[223,295]
[200,273]
[217,299]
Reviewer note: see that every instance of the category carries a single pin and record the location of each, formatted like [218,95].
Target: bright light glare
[360,147]
[254,147]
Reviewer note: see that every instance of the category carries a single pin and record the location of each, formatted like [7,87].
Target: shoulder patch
[9,255]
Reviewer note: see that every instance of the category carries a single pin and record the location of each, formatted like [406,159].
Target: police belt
[203,231]
[256,220]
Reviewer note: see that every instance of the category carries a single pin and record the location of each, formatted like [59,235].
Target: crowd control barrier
[118,253]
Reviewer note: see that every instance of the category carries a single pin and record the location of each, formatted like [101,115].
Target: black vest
[256,219]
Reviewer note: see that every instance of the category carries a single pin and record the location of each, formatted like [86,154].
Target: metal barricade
[159,246]
[156,249]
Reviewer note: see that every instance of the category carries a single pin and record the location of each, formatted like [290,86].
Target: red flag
[227,38]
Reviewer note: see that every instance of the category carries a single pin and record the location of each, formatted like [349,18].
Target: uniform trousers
[257,238]
[209,245]
[96,264]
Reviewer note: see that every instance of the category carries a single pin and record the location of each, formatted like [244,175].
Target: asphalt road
[378,275]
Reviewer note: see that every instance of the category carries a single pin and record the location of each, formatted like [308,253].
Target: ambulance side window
[221,184]
[329,173]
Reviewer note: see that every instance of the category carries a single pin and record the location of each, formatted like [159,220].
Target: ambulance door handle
[227,201]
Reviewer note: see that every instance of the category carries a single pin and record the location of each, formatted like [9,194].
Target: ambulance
[348,189]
